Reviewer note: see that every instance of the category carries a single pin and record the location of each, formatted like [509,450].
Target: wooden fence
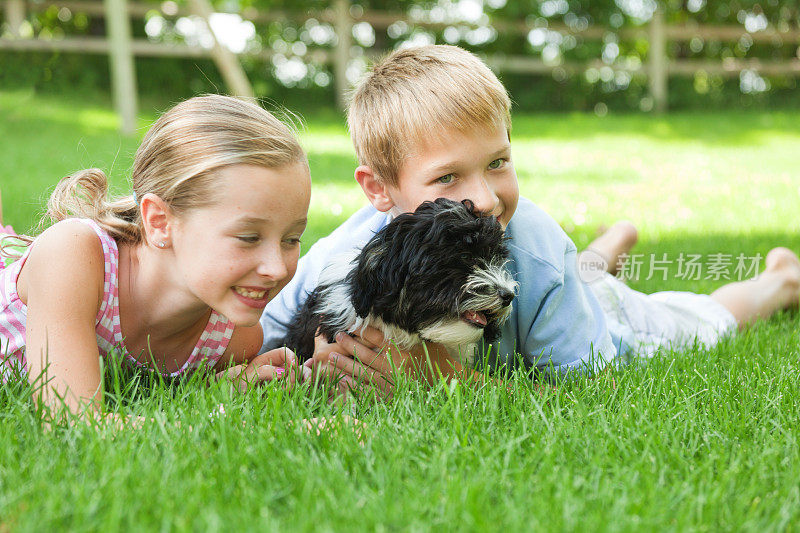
[121,48]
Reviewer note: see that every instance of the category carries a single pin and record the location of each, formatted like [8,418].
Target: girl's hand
[279,364]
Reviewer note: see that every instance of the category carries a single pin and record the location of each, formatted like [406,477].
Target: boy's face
[475,165]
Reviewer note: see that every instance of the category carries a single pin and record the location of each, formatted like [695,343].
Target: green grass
[701,440]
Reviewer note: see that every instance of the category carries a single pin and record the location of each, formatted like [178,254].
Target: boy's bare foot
[614,242]
[784,263]
[778,287]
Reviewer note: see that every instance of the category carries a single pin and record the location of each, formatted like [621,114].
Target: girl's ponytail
[84,194]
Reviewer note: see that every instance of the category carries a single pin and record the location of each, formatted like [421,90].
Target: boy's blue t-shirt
[555,320]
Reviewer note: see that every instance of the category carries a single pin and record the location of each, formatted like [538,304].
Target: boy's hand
[318,366]
[428,362]
[274,365]
[351,361]
[335,362]
[370,358]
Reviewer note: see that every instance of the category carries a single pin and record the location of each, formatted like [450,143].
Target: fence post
[226,61]
[15,16]
[658,61]
[344,31]
[123,74]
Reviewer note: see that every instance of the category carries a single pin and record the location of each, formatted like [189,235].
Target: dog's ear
[368,281]
[376,284]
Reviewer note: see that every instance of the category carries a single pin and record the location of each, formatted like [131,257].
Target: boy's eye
[497,163]
[249,239]
[294,241]
[448,178]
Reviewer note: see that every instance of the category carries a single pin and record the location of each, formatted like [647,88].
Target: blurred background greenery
[554,32]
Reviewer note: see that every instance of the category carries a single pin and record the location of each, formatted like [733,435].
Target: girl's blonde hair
[177,161]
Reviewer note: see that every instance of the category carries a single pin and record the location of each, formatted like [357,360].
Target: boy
[434,122]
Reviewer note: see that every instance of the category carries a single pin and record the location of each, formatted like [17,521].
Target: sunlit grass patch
[700,439]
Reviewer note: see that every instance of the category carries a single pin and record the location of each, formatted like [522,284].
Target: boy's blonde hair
[417,93]
[178,160]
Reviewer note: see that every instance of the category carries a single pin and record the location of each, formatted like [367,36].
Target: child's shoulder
[356,230]
[69,242]
[68,252]
[72,231]
[533,234]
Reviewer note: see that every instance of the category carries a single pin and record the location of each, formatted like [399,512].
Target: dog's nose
[505,296]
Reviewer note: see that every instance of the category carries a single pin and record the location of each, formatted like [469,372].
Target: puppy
[436,275]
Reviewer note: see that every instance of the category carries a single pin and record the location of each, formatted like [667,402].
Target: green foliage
[177,78]
[164,79]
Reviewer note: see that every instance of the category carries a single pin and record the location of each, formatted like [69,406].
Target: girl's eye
[249,239]
[448,178]
[293,241]
[497,163]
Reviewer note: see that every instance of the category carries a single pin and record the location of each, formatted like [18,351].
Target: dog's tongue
[476,317]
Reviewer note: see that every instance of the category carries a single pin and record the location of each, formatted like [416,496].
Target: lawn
[700,440]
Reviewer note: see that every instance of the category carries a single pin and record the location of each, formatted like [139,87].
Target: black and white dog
[437,275]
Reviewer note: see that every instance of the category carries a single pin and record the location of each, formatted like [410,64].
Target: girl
[175,275]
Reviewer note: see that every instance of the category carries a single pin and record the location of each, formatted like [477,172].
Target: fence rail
[658,67]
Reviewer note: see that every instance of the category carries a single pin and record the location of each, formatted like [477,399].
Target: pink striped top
[208,350]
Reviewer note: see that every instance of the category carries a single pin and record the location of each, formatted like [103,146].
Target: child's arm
[243,346]
[62,285]
[368,359]
[242,364]
[561,327]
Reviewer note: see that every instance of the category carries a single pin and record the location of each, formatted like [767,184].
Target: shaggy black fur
[411,274]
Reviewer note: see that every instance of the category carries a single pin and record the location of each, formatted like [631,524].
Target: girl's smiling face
[238,253]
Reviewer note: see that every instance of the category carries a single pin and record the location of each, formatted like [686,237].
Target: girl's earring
[162,244]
